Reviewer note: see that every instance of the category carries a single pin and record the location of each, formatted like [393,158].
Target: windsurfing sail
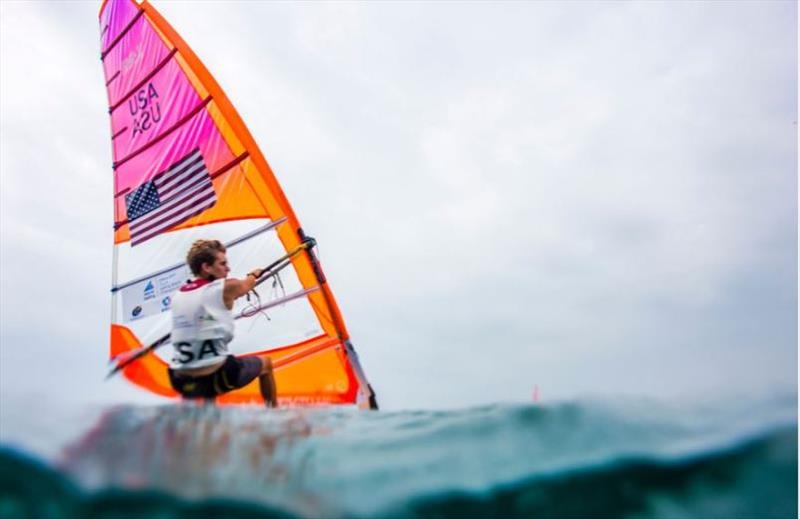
[186,167]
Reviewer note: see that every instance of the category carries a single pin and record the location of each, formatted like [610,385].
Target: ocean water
[583,459]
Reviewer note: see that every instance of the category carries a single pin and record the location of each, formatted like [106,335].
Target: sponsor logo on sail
[134,57]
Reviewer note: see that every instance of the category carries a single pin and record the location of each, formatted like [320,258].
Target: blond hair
[203,251]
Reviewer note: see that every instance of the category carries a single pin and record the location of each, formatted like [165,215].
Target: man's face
[219,269]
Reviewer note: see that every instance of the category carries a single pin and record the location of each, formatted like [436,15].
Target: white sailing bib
[202,326]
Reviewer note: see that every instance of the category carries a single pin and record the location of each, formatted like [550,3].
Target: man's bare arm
[236,288]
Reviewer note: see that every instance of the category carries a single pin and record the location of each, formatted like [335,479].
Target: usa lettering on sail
[145,109]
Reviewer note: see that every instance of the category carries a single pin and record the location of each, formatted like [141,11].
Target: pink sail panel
[114,20]
[138,53]
[154,108]
[162,132]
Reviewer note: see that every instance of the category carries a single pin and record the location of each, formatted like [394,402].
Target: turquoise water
[635,459]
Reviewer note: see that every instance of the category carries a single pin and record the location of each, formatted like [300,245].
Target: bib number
[186,351]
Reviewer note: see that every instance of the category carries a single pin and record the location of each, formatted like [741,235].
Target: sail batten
[232,243]
[281,300]
[122,34]
[186,167]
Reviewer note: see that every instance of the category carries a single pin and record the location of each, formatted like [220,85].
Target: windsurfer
[202,327]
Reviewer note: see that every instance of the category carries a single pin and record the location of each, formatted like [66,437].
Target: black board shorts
[233,374]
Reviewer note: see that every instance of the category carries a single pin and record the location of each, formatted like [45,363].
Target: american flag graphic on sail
[173,196]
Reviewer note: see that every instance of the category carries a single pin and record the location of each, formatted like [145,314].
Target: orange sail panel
[186,167]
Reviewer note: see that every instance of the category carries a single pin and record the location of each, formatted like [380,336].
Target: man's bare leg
[266,381]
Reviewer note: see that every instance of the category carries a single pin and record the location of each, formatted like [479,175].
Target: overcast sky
[595,198]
